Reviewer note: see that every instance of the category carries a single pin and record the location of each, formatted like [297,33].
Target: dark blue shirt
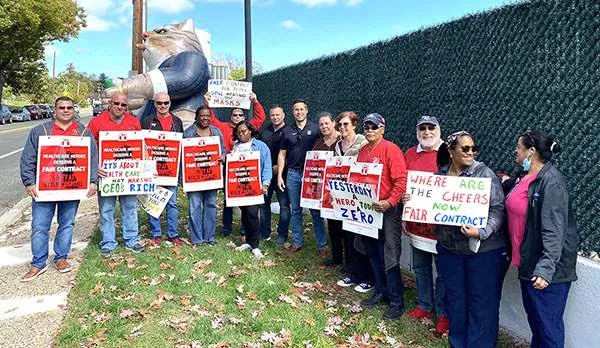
[297,142]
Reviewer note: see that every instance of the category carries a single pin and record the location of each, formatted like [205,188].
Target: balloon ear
[187,25]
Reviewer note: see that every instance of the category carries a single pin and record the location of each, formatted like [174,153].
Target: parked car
[76,112]
[20,114]
[5,115]
[46,111]
[35,111]
[97,109]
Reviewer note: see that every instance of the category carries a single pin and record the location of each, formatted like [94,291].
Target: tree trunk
[1,85]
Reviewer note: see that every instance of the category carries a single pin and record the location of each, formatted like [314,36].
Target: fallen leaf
[251,295]
[235,321]
[200,266]
[268,263]
[176,250]
[217,322]
[222,344]
[210,276]
[164,266]
[241,304]
[98,289]
[179,324]
[185,300]
[309,322]
[240,288]
[305,299]
[236,272]
[126,313]
[221,281]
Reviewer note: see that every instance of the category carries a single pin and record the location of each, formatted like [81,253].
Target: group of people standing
[530,222]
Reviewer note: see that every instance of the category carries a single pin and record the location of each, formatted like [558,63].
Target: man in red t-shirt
[116,119]
[423,157]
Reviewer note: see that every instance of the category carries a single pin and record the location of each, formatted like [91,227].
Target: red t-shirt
[393,177]
[104,123]
[227,127]
[425,161]
[166,123]
[71,130]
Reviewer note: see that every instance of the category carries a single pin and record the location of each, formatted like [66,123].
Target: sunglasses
[65,108]
[237,115]
[424,128]
[528,134]
[345,124]
[119,104]
[466,149]
[369,127]
[160,103]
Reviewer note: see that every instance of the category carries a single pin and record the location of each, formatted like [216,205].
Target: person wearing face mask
[472,280]
[543,233]
[203,204]
[429,297]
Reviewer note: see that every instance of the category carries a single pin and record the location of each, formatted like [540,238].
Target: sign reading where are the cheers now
[336,168]
[369,174]
[447,200]
[164,147]
[313,178]
[63,168]
[229,94]
[202,169]
[243,186]
[127,177]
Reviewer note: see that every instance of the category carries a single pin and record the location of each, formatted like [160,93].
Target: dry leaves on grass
[281,339]
[316,286]
[179,324]
[164,266]
[355,307]
[359,341]
[98,289]
[135,332]
[334,325]
[96,340]
[288,300]
[200,266]
[240,303]
[126,313]
[236,272]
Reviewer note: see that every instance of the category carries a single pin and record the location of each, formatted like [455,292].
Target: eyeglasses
[124,105]
[65,108]
[160,103]
[345,124]
[369,127]
[466,149]
[424,128]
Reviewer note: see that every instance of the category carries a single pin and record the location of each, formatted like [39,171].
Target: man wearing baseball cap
[384,252]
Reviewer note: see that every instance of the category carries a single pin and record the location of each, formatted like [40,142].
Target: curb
[14,214]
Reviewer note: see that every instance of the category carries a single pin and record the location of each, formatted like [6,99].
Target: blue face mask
[526,164]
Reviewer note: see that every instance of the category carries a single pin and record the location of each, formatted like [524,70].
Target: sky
[284,32]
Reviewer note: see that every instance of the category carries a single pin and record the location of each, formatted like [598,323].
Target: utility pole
[138,27]
[248,29]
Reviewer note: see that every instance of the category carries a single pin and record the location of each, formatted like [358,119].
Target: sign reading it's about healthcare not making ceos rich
[128,177]
[229,94]
[202,169]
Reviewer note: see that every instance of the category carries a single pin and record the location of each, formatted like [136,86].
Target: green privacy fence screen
[532,65]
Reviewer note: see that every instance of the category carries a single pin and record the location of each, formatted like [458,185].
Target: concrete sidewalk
[31,313]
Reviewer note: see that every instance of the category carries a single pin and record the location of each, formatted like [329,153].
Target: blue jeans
[203,216]
[294,186]
[284,214]
[545,309]
[426,295]
[172,217]
[473,286]
[129,221]
[42,214]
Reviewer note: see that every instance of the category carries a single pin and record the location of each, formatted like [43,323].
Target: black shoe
[393,312]
[331,263]
[374,300]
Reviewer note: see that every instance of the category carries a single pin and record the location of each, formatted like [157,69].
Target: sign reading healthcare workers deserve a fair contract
[243,186]
[63,168]
[447,200]
[127,177]
[120,146]
[369,174]
[313,178]
[201,168]
[336,168]
[164,147]
[229,94]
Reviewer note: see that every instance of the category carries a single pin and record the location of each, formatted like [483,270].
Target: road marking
[16,129]
[11,153]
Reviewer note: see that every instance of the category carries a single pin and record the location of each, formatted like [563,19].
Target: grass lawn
[212,296]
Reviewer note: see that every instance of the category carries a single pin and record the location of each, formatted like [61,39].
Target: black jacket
[152,123]
[549,247]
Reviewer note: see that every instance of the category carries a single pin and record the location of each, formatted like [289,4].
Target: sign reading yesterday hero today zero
[202,169]
[369,174]
[243,185]
[447,200]
[312,180]
[229,94]
[63,168]
[336,168]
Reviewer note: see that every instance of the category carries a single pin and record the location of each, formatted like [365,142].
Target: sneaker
[62,266]
[346,282]
[33,273]
[374,300]
[243,247]
[443,325]
[257,253]
[268,239]
[211,242]
[363,287]
[155,241]
[393,312]
[138,248]
[105,253]
[419,313]
[175,240]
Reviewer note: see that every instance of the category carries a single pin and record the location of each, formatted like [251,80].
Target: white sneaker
[257,253]
[243,247]
[363,287]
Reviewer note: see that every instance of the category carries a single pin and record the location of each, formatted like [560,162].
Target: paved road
[12,139]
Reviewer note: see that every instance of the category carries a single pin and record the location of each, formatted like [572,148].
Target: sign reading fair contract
[313,178]
[155,203]
[243,185]
[229,94]
[164,147]
[128,177]
[336,168]
[447,200]
[121,146]
[63,168]
[369,174]
[201,168]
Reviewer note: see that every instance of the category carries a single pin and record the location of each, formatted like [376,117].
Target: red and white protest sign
[243,186]
[336,168]
[63,168]
[120,145]
[364,173]
[164,148]
[201,169]
[313,178]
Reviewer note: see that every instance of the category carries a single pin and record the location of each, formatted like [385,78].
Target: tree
[27,25]
[237,66]
[76,85]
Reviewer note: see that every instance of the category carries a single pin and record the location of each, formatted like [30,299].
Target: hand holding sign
[31,191]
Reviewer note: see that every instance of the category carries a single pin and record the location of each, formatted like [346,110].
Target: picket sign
[364,173]
[164,148]
[336,168]
[155,203]
[201,169]
[312,178]
[127,177]
[243,186]
[229,94]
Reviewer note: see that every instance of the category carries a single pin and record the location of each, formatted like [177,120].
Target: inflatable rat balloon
[176,65]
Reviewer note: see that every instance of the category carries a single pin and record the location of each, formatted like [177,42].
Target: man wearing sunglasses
[43,212]
[163,120]
[116,118]
[430,294]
